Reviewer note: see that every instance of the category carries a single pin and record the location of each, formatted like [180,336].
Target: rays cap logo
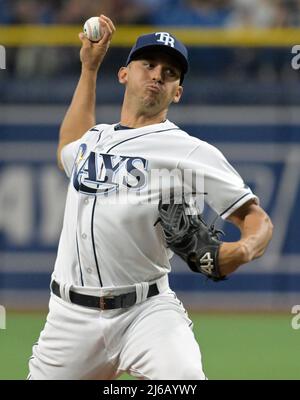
[2,57]
[161,41]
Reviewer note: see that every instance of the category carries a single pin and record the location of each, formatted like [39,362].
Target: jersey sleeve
[70,151]
[225,190]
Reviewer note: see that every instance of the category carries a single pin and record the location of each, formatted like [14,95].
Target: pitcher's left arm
[256,232]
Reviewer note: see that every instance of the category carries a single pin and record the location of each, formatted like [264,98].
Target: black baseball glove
[188,236]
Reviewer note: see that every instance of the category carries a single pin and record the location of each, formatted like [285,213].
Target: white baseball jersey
[115,243]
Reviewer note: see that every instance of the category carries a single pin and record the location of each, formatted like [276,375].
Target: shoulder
[91,136]
[88,138]
[173,131]
[186,146]
[197,145]
[202,148]
[94,131]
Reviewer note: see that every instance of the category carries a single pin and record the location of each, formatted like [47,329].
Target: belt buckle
[102,304]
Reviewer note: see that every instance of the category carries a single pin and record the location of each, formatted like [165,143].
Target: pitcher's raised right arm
[80,116]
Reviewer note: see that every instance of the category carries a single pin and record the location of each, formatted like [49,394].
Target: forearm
[80,116]
[256,235]
[256,232]
[81,113]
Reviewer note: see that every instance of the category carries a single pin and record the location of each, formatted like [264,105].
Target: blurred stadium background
[241,95]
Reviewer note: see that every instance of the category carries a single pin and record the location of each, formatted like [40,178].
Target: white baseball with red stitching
[92,29]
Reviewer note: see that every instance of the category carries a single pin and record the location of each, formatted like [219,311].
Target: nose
[157,74]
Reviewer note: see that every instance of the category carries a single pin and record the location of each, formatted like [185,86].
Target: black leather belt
[105,302]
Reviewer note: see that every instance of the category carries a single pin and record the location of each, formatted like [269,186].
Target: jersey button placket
[85,239]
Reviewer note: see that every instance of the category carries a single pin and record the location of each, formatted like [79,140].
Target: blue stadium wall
[263,144]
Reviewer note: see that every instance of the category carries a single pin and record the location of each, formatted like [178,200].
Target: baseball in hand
[92,29]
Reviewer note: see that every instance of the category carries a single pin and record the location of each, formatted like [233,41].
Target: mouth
[153,88]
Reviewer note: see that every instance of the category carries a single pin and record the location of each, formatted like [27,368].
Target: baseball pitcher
[111,308]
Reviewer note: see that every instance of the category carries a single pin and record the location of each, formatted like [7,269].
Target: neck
[137,118]
[140,121]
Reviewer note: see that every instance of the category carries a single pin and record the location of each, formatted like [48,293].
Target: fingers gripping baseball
[108,28]
[93,53]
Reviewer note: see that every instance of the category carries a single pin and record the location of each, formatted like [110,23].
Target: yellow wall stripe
[59,35]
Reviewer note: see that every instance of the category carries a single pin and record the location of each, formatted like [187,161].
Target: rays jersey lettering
[105,173]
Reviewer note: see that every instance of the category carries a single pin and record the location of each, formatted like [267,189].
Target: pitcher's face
[154,79]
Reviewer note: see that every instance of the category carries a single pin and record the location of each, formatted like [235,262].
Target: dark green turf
[22,330]
[249,346]
[232,346]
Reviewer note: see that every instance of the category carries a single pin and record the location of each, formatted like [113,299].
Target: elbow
[60,166]
[271,229]
[270,226]
[58,159]
[268,236]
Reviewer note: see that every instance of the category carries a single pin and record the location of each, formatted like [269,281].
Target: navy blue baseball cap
[165,41]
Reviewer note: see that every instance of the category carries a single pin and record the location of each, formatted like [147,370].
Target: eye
[148,64]
[171,72]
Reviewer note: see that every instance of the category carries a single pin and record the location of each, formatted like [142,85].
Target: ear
[122,75]
[178,94]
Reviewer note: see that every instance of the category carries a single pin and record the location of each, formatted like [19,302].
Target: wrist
[89,71]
